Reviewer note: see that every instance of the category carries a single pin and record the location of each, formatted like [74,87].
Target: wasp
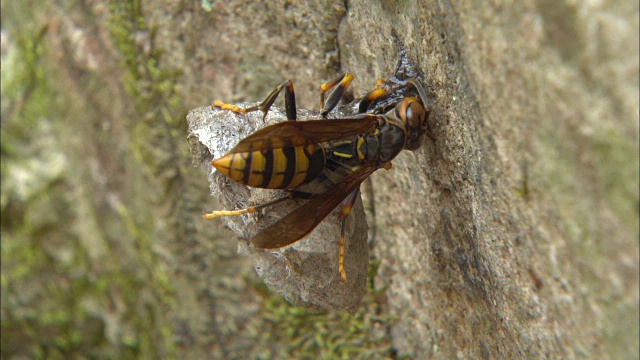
[339,154]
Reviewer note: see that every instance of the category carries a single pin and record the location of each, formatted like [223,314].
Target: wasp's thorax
[404,128]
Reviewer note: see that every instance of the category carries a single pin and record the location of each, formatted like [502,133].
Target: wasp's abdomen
[280,168]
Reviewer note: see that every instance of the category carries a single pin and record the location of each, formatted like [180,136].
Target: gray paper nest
[306,272]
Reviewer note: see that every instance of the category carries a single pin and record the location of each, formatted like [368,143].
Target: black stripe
[323,180]
[316,164]
[247,168]
[332,164]
[231,164]
[345,148]
[290,169]
[321,177]
[268,167]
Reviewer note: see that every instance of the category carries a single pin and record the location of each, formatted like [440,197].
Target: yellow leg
[343,274]
[340,84]
[249,210]
[223,106]
[379,91]
[289,102]
[346,210]
[380,83]
[220,213]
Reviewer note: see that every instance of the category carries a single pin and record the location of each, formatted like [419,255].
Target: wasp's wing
[304,219]
[300,133]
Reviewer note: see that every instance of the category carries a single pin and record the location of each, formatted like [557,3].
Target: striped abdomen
[280,168]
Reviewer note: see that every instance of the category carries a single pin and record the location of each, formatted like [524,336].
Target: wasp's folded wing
[304,219]
[300,133]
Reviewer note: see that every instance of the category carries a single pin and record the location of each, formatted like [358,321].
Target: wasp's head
[414,114]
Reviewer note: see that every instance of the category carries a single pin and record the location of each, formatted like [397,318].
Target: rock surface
[514,234]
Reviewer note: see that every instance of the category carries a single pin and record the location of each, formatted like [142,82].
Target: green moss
[329,335]
[67,289]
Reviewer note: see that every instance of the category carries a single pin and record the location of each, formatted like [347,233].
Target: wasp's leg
[289,102]
[342,84]
[346,210]
[249,210]
[291,194]
[369,99]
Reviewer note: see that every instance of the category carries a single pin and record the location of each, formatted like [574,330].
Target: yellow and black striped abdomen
[280,168]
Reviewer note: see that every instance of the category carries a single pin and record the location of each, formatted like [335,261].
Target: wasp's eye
[415,116]
[408,116]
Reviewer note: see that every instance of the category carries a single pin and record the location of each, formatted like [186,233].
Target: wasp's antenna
[421,92]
